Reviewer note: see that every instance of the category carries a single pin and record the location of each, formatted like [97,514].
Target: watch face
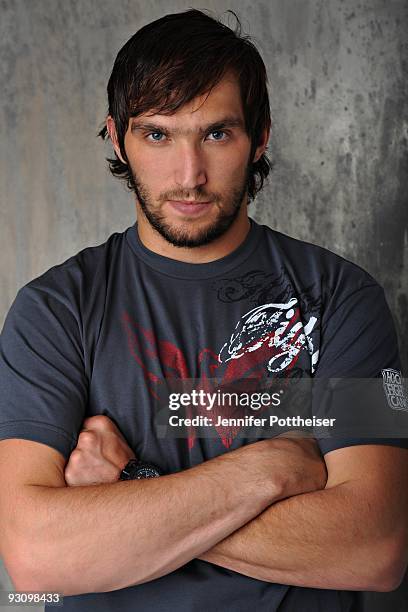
[136,469]
[146,472]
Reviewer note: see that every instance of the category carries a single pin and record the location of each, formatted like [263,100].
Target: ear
[110,126]
[263,144]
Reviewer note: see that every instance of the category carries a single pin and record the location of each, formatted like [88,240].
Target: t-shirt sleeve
[358,340]
[43,383]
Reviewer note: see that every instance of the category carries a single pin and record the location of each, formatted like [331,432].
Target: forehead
[224,99]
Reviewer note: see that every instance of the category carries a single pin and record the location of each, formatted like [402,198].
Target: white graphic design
[272,324]
[394,389]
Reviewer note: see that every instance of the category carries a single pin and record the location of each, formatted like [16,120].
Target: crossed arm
[352,534]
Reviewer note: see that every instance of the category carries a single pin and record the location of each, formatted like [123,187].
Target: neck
[217,249]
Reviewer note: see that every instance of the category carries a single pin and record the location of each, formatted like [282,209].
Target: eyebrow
[225,122]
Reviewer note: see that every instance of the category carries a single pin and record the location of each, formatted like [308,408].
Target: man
[195,290]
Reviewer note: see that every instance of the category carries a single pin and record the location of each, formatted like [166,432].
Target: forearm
[106,537]
[325,539]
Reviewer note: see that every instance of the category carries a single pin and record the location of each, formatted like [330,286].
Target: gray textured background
[339,96]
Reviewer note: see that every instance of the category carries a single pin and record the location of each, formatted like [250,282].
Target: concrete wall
[339,91]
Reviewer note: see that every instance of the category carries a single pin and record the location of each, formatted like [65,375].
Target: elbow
[389,582]
[44,569]
[16,557]
[22,572]
[392,567]
[381,569]
[21,577]
[23,581]
[30,570]
[26,578]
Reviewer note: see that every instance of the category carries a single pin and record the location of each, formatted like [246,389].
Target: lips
[190,208]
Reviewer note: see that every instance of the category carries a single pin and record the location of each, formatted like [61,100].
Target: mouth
[190,208]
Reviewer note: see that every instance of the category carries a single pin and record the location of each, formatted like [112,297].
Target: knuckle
[98,420]
[86,437]
[70,474]
[68,477]
[74,458]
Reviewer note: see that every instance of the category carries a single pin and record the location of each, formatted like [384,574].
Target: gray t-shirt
[95,334]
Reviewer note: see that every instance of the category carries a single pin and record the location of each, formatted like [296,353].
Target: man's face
[199,156]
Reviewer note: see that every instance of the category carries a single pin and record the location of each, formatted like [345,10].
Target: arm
[303,540]
[109,536]
[351,535]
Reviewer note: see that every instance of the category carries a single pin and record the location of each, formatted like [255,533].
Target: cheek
[148,165]
[233,169]
[227,166]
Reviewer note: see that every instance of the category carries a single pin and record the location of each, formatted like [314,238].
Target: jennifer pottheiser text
[249,421]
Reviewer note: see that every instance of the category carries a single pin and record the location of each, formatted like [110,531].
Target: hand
[303,458]
[100,455]
[287,465]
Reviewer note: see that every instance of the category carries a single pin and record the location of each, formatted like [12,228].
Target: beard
[180,237]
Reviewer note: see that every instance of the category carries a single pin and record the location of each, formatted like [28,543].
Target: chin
[185,236]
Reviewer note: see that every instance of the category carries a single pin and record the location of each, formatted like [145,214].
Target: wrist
[136,469]
[256,463]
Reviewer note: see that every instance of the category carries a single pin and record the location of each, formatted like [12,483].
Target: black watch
[136,469]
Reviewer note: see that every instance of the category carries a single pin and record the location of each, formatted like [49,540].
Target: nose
[190,167]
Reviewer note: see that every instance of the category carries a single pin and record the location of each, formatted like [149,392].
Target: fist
[100,455]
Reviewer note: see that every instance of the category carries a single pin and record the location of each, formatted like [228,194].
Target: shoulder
[330,275]
[78,280]
[69,298]
[318,261]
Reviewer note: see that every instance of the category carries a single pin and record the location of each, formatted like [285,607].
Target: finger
[102,423]
[98,421]
[88,439]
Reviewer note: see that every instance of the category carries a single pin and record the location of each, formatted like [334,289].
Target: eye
[219,132]
[155,134]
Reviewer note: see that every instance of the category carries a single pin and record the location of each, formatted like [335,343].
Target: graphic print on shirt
[277,324]
[266,341]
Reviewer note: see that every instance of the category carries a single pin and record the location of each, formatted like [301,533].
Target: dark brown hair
[176,58]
